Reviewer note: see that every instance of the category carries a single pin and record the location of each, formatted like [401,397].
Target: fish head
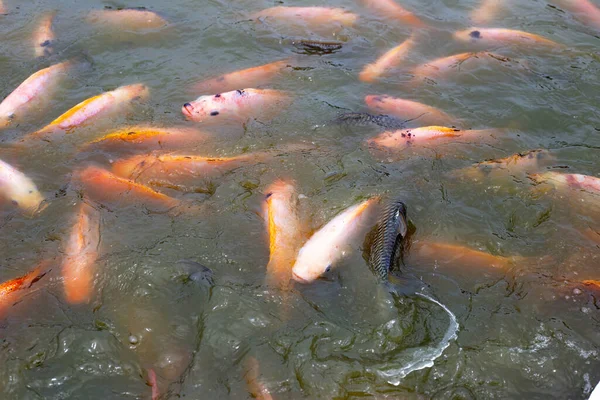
[469,35]
[28,198]
[205,107]
[400,216]
[138,91]
[310,265]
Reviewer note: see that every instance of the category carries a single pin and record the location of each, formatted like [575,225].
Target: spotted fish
[385,121]
[391,229]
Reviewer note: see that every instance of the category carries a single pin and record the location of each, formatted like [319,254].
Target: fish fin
[406,285]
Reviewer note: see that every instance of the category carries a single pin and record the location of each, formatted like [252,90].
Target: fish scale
[391,229]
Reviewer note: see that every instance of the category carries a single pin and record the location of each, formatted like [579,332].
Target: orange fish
[313,17]
[584,10]
[81,253]
[580,182]
[285,231]
[93,109]
[33,91]
[491,37]
[408,110]
[256,388]
[392,10]
[255,76]
[404,138]
[520,162]
[171,170]
[487,11]
[441,67]
[387,62]
[12,290]
[43,37]
[105,187]
[126,19]
[445,254]
[147,138]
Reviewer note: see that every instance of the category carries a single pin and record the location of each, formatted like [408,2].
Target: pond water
[526,330]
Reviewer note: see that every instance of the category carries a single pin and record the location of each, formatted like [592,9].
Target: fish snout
[188,109]
[298,278]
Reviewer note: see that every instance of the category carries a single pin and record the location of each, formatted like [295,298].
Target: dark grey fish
[197,272]
[362,119]
[317,47]
[390,230]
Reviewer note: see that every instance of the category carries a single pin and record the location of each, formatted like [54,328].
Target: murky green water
[523,334]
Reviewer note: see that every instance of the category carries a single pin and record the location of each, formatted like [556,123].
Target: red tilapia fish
[317,18]
[285,231]
[257,389]
[33,91]
[81,252]
[2,8]
[445,254]
[392,10]
[520,162]
[237,105]
[404,138]
[408,110]
[487,11]
[13,290]
[255,76]
[387,62]
[104,187]
[147,138]
[126,19]
[43,37]
[584,10]
[587,183]
[334,240]
[491,37]
[19,190]
[92,109]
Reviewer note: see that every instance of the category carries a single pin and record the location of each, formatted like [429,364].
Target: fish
[147,138]
[256,388]
[387,62]
[501,37]
[445,254]
[391,10]
[173,170]
[104,187]
[153,382]
[43,37]
[29,95]
[18,189]
[126,19]
[391,229]
[398,140]
[91,110]
[12,290]
[2,8]
[487,11]
[240,104]
[519,162]
[384,121]
[255,76]
[330,243]
[408,110]
[586,183]
[81,253]
[285,231]
[313,17]
[317,47]
[583,10]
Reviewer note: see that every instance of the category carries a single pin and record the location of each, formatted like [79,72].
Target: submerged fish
[519,162]
[126,19]
[12,290]
[392,10]
[330,243]
[384,121]
[401,139]
[408,110]
[445,254]
[19,190]
[256,388]
[501,36]
[43,37]
[391,229]
[314,17]
[81,253]
[390,60]
[317,47]
[92,109]
[586,183]
[29,94]
[255,76]
[238,105]
[487,11]
[584,10]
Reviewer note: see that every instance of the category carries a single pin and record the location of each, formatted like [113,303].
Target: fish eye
[475,35]
[16,203]
[213,113]
[268,195]
[328,268]
[217,95]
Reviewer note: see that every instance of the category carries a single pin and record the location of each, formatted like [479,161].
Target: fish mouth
[187,109]
[298,278]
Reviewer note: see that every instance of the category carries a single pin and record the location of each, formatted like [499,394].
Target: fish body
[584,10]
[330,243]
[18,189]
[392,10]
[285,230]
[363,119]
[401,139]
[444,254]
[255,76]
[442,67]
[237,104]
[390,230]
[390,60]
[408,110]
[28,94]
[501,36]
[316,17]
[13,289]
[105,187]
[256,388]
[487,11]
[126,19]
[81,253]
[43,37]
[586,183]
[147,138]
[317,46]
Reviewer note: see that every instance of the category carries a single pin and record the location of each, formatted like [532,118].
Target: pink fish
[408,109]
[584,10]
[18,189]
[487,11]
[494,37]
[586,183]
[237,105]
[126,19]
[312,17]
[43,37]
[404,138]
[392,10]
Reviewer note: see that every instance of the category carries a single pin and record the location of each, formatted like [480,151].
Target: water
[523,333]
